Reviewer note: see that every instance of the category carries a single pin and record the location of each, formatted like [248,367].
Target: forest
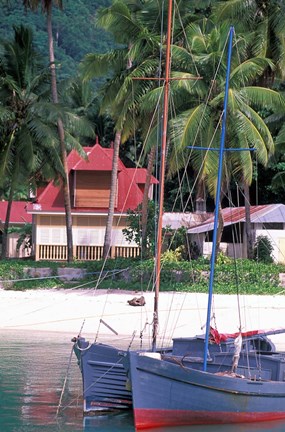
[75,33]
[101,50]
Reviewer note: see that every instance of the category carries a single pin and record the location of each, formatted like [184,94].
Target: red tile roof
[18,215]
[99,158]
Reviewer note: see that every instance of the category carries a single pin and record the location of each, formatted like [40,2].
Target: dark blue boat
[176,391]
[104,377]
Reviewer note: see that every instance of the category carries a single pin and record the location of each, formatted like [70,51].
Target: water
[33,368]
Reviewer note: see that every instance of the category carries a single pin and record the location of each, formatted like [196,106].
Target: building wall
[87,231]
[12,251]
[238,250]
[277,239]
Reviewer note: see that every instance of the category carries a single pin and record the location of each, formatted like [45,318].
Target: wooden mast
[162,174]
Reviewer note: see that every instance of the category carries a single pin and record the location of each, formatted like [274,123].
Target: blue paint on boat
[170,392]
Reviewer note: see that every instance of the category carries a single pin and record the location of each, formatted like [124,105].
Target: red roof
[139,175]
[99,158]
[18,215]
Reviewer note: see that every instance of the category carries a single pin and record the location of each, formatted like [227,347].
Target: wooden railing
[126,251]
[52,252]
[89,253]
[85,253]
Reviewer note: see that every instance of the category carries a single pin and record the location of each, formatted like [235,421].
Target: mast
[162,175]
[217,201]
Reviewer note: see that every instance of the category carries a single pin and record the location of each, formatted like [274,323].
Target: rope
[91,385]
[64,383]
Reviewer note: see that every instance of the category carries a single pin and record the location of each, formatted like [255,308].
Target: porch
[47,252]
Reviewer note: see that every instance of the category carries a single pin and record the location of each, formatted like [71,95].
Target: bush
[263,249]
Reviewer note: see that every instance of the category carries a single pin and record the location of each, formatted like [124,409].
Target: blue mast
[217,201]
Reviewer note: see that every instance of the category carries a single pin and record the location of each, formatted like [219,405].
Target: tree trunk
[60,128]
[113,192]
[145,201]
[220,230]
[7,220]
[249,240]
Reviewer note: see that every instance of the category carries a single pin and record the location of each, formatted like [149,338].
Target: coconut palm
[47,7]
[122,93]
[26,132]
[264,22]
[140,27]
[199,116]
[28,120]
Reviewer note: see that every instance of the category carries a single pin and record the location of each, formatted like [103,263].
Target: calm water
[33,368]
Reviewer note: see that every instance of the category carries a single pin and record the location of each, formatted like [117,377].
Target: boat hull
[105,383]
[169,394]
[105,387]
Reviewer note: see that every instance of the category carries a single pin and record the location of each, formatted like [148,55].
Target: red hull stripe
[149,418]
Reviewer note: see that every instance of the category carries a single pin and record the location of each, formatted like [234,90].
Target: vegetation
[253,277]
[263,249]
[74,31]
[112,44]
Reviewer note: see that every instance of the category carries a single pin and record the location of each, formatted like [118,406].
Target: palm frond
[248,134]
[263,97]
[95,65]
[249,71]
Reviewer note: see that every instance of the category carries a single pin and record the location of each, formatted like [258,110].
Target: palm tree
[121,92]
[46,6]
[26,132]
[199,116]
[263,22]
[138,26]
[28,121]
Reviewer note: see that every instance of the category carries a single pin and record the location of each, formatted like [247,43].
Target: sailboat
[104,374]
[235,387]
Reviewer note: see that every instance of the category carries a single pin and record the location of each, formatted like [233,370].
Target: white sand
[65,311]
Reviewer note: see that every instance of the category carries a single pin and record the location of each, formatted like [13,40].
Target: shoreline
[69,311]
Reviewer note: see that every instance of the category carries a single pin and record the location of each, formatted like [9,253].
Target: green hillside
[74,31]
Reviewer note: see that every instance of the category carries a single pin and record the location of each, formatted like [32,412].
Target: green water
[33,369]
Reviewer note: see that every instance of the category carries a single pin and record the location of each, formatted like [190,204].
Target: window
[92,189]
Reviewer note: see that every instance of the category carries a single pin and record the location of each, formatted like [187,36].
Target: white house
[267,220]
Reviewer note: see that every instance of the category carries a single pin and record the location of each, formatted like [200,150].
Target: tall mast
[162,174]
[217,201]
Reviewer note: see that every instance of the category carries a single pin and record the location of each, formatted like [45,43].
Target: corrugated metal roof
[232,215]
[177,220]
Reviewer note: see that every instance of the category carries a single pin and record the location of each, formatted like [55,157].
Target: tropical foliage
[74,32]
[127,69]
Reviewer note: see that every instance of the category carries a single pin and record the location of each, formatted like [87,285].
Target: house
[266,220]
[18,218]
[90,182]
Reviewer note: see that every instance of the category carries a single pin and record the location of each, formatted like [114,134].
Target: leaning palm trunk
[65,179]
[220,230]
[249,241]
[145,202]
[113,193]
[7,218]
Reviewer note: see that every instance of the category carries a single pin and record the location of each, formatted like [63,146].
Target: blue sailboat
[179,389]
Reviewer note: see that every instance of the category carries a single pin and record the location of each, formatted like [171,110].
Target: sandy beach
[69,311]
